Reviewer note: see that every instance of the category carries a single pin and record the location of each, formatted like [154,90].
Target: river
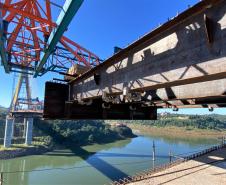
[96,164]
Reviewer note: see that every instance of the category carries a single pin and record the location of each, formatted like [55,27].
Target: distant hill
[2,107]
[3,110]
[214,121]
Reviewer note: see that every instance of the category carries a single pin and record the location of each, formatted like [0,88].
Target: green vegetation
[210,122]
[73,132]
[88,132]
[81,132]
[2,120]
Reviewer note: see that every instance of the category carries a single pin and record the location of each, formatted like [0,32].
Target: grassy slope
[181,126]
[177,132]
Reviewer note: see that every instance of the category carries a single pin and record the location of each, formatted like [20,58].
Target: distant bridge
[178,65]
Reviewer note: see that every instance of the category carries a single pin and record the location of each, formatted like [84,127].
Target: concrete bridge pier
[25,128]
[29,129]
[8,132]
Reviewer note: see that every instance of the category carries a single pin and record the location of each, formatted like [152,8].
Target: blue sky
[102,24]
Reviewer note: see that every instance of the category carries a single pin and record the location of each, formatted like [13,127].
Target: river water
[96,164]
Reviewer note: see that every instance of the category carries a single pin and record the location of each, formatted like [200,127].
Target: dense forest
[81,132]
[2,119]
[214,121]
[88,132]
[73,132]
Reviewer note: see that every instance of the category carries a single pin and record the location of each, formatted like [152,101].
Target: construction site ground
[209,169]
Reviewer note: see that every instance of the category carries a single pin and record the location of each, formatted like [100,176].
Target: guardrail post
[1,178]
[170,156]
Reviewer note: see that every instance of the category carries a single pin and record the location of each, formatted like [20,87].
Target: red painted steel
[30,24]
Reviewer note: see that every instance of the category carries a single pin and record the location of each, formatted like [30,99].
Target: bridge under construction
[180,64]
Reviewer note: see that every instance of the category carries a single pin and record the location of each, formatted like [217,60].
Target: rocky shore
[10,154]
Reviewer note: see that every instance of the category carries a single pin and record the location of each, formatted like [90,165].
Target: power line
[89,166]
[76,167]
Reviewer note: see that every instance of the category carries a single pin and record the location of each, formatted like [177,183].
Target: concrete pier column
[28,139]
[25,127]
[9,126]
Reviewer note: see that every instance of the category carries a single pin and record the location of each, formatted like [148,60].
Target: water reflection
[96,164]
[190,141]
[18,170]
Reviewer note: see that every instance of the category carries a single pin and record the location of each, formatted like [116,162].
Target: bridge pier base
[8,132]
[25,127]
[29,129]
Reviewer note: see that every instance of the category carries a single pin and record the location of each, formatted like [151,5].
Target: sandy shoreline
[177,132]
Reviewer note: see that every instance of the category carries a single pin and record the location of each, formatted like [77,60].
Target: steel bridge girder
[70,8]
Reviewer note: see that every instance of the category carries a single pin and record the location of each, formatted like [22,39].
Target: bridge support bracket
[209,27]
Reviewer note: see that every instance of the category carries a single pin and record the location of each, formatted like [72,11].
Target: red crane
[30,23]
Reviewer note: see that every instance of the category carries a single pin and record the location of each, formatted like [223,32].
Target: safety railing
[147,173]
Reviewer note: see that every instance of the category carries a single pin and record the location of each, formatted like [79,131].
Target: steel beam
[95,111]
[176,54]
[2,45]
[3,54]
[215,88]
[182,63]
[26,14]
[70,8]
[57,107]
